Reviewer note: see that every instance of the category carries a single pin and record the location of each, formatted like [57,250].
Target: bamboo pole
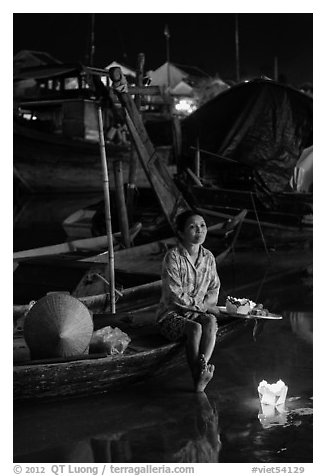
[106,189]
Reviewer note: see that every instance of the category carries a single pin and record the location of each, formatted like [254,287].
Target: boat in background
[79,223]
[236,155]
[56,139]
[75,249]
[143,263]
[139,264]
[90,220]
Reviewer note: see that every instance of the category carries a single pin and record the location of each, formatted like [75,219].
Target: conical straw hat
[58,325]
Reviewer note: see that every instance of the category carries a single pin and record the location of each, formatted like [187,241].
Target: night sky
[204,40]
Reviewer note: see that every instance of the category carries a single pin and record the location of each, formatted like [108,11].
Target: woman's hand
[213,310]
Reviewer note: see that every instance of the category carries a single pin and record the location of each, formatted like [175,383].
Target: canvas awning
[261,124]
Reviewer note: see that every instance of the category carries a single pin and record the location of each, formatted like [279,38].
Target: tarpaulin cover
[262,124]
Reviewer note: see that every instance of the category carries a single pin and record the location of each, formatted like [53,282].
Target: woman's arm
[213,287]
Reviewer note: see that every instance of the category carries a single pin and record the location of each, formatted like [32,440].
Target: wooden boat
[83,276]
[274,235]
[75,248]
[236,155]
[55,140]
[90,220]
[147,354]
[79,223]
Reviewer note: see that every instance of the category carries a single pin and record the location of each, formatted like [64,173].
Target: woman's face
[195,231]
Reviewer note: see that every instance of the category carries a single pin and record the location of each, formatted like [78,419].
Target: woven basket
[58,325]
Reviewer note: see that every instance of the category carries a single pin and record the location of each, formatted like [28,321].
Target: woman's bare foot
[204,377]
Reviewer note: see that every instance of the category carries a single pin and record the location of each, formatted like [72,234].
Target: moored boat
[249,147]
[76,249]
[147,354]
[83,276]
[55,143]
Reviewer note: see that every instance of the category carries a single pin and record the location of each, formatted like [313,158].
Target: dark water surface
[161,420]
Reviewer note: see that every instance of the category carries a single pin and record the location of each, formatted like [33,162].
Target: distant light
[28,116]
[185,106]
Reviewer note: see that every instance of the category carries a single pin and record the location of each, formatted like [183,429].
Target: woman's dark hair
[183,217]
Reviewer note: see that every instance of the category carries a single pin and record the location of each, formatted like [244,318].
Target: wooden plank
[121,203]
[274,226]
[170,198]
[95,243]
[145,90]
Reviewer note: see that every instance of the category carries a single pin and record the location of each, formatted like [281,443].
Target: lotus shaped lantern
[272,394]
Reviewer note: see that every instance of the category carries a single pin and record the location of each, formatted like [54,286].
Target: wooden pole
[177,137]
[106,189]
[237,55]
[131,187]
[167,36]
[197,159]
[275,68]
[92,51]
[121,203]
[139,77]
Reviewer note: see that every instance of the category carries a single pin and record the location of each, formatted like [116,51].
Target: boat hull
[81,378]
[48,163]
[94,376]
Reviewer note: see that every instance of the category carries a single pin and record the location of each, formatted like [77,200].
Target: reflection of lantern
[272,394]
[272,416]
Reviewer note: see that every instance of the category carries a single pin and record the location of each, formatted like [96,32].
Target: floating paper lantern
[272,394]
[58,325]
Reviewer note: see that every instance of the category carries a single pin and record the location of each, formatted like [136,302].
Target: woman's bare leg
[206,347]
[193,332]
[200,342]
[208,338]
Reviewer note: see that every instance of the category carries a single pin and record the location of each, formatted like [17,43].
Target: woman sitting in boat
[190,288]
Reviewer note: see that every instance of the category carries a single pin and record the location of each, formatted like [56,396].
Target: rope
[108,284]
[259,226]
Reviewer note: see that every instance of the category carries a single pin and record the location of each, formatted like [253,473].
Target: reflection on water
[185,430]
[301,323]
[270,416]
